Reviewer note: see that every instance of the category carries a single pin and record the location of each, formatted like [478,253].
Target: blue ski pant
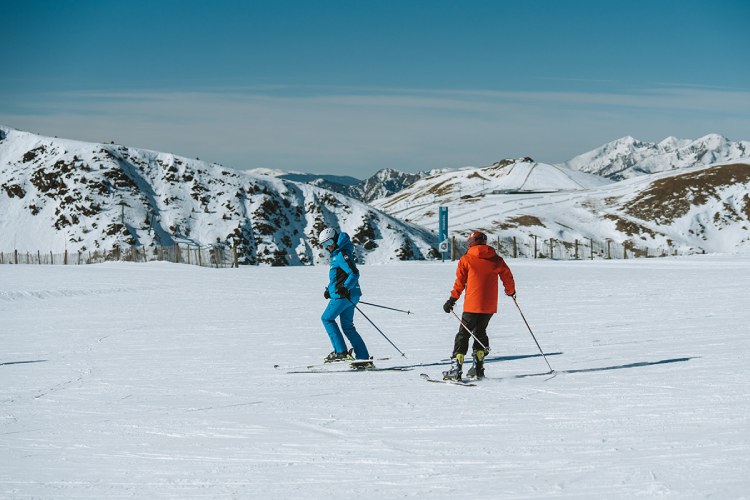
[343,309]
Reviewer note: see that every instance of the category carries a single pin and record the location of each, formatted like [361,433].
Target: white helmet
[327,234]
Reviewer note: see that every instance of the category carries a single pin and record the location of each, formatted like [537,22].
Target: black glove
[327,294]
[343,292]
[448,306]
[512,295]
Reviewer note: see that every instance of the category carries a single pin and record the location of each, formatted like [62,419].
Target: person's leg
[347,324]
[460,346]
[480,332]
[480,350]
[334,309]
[461,342]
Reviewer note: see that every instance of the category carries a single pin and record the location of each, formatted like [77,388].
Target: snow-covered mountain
[504,177]
[689,210]
[383,183]
[57,193]
[628,157]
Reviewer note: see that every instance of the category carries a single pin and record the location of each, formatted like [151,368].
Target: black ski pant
[478,323]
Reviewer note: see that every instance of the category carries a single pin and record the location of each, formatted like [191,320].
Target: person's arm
[507,278]
[350,268]
[462,274]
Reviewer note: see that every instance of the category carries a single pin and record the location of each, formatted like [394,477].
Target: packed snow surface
[158,381]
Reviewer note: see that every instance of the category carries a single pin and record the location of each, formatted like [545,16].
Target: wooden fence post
[535,253]
[515,248]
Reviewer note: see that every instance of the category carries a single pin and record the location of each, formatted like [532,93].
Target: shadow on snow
[490,359]
[23,362]
[600,369]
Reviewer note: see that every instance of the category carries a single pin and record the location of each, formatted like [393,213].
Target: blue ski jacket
[343,269]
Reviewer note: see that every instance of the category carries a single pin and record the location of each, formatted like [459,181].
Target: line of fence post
[228,255]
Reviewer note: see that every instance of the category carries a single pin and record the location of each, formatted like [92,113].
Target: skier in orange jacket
[477,272]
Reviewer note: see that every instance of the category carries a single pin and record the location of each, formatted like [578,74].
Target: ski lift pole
[532,335]
[385,307]
[471,332]
[376,327]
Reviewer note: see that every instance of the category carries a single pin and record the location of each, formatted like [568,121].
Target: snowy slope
[157,381]
[507,176]
[57,194]
[628,157]
[690,210]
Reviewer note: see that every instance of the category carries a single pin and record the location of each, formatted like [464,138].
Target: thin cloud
[356,130]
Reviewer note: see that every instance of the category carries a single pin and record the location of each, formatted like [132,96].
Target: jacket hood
[344,244]
[482,251]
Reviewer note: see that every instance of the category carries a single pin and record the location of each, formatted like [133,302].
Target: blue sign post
[444,244]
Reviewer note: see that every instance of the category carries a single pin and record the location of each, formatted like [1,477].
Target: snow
[157,380]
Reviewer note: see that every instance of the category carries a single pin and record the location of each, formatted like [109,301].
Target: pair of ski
[463,382]
[353,365]
[469,382]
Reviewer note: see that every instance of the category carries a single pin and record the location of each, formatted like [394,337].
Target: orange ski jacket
[477,272]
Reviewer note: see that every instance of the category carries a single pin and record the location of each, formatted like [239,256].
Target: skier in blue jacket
[344,292]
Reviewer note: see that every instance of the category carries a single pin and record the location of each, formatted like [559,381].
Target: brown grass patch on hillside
[441,188]
[521,220]
[629,227]
[670,198]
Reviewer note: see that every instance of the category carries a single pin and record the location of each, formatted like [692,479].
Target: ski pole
[384,307]
[378,329]
[532,335]
[471,332]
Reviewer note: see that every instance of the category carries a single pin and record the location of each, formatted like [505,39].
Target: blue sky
[348,87]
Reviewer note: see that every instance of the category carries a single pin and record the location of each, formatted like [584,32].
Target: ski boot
[454,373]
[477,369]
[338,356]
[362,364]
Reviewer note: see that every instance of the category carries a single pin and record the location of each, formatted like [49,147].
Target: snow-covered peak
[628,157]
[268,172]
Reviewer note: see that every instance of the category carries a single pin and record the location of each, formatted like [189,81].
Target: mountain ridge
[690,210]
[628,157]
[80,195]
[58,193]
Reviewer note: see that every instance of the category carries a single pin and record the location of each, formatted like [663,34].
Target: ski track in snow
[158,381]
